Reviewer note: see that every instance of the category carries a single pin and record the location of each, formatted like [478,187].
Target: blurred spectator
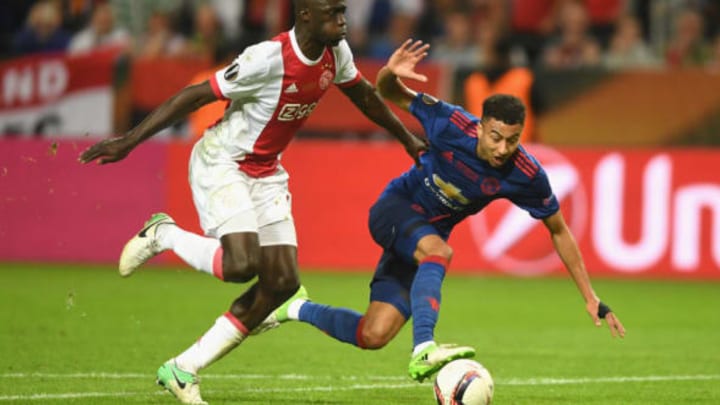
[12,16]
[604,15]
[403,18]
[263,19]
[134,14]
[100,33]
[713,63]
[456,47]
[687,46]
[230,14]
[358,20]
[43,31]
[494,13]
[160,38]
[207,37]
[77,13]
[628,48]
[531,22]
[575,47]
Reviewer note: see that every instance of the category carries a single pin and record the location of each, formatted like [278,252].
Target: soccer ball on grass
[463,382]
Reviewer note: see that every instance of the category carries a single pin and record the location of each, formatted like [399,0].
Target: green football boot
[143,246]
[432,358]
[184,385]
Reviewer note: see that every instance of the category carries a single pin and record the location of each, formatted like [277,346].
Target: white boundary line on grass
[353,387]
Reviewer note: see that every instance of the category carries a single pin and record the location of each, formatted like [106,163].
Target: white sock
[219,340]
[422,347]
[197,251]
[294,309]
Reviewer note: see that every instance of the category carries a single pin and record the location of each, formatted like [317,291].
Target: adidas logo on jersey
[291,88]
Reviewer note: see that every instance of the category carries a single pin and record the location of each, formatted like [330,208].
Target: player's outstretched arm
[401,65]
[178,106]
[569,252]
[364,96]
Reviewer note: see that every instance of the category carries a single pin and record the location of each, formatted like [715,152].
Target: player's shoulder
[526,164]
[262,52]
[257,60]
[429,108]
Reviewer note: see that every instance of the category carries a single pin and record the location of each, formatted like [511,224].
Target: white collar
[296,47]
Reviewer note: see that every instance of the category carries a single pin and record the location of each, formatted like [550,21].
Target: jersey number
[290,112]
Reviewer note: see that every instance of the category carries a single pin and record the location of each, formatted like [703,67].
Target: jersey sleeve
[538,199]
[432,113]
[347,74]
[246,74]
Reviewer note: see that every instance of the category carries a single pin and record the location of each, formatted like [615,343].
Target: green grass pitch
[83,335]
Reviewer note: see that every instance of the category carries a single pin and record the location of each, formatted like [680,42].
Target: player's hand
[598,311]
[403,60]
[415,147]
[107,151]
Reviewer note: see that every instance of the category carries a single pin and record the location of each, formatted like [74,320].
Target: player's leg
[277,281]
[179,374]
[399,226]
[235,258]
[433,257]
[225,207]
[278,277]
[386,314]
[238,232]
[402,228]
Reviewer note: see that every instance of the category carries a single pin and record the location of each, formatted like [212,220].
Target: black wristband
[603,310]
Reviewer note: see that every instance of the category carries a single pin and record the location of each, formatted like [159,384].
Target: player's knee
[284,287]
[240,267]
[374,338]
[445,251]
[281,285]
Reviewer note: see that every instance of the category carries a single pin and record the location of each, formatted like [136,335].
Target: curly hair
[504,107]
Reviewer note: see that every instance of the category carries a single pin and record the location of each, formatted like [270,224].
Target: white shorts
[229,201]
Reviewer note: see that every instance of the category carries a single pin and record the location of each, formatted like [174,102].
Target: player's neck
[310,48]
[478,147]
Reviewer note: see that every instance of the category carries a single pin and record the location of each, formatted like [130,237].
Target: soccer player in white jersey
[239,187]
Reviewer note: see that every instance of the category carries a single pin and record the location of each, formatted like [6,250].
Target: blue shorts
[397,227]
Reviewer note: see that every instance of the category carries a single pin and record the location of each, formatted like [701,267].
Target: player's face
[498,141]
[328,24]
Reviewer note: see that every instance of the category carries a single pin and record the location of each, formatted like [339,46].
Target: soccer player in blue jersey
[470,163]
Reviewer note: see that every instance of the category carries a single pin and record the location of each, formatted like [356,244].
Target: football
[463,382]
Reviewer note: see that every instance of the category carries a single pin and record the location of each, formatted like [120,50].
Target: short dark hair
[504,107]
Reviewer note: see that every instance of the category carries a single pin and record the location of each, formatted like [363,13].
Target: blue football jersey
[455,183]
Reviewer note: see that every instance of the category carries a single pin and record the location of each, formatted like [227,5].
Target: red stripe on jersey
[216,88]
[301,89]
[523,165]
[527,160]
[532,167]
[459,120]
[464,123]
[438,218]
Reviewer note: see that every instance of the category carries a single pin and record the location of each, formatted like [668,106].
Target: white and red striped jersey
[272,88]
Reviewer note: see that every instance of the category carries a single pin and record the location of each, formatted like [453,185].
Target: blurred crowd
[554,34]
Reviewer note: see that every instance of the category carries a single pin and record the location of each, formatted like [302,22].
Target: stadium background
[626,122]
[630,141]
